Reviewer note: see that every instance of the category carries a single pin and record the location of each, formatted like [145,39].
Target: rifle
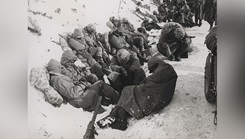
[89,134]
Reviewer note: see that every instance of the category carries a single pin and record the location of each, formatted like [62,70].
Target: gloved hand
[88,85]
[123,71]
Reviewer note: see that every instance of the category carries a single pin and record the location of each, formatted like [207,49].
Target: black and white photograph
[122,69]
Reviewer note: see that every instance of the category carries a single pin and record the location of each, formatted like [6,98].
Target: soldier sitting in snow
[74,72]
[82,94]
[128,67]
[73,41]
[149,25]
[86,39]
[153,94]
[115,22]
[173,41]
[126,34]
[104,40]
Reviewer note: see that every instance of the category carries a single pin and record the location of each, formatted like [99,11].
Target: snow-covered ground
[189,116]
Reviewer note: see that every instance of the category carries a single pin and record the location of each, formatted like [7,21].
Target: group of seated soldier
[112,68]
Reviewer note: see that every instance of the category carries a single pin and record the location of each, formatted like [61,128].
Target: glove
[88,85]
[123,71]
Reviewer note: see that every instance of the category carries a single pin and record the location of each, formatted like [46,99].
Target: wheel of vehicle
[209,85]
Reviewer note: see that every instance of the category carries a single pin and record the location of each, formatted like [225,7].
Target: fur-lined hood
[178,30]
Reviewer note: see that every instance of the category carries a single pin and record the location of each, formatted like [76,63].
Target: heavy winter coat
[70,43]
[153,94]
[89,37]
[172,32]
[135,74]
[77,95]
[73,72]
[117,41]
[127,26]
[173,40]
[77,41]
[132,64]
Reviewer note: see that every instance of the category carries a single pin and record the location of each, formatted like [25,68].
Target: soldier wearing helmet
[128,66]
[94,47]
[173,41]
[115,22]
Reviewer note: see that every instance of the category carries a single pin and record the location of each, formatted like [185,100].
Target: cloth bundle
[39,78]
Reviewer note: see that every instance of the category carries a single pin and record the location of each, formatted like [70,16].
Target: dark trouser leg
[114,112]
[196,18]
[139,54]
[191,21]
[148,52]
[127,80]
[139,42]
[139,76]
[170,50]
[117,84]
[211,24]
[96,87]
[173,47]
[197,13]
[183,47]
[200,22]
[109,95]
[97,70]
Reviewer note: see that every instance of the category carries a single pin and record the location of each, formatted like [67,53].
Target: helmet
[110,25]
[112,18]
[141,29]
[124,19]
[146,19]
[91,28]
[77,33]
[123,56]
[154,12]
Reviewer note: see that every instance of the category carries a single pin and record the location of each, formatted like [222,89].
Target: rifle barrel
[90,128]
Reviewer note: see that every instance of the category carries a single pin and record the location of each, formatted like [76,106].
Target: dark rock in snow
[58,10]
[74,10]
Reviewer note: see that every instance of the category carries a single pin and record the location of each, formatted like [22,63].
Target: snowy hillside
[188,116]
